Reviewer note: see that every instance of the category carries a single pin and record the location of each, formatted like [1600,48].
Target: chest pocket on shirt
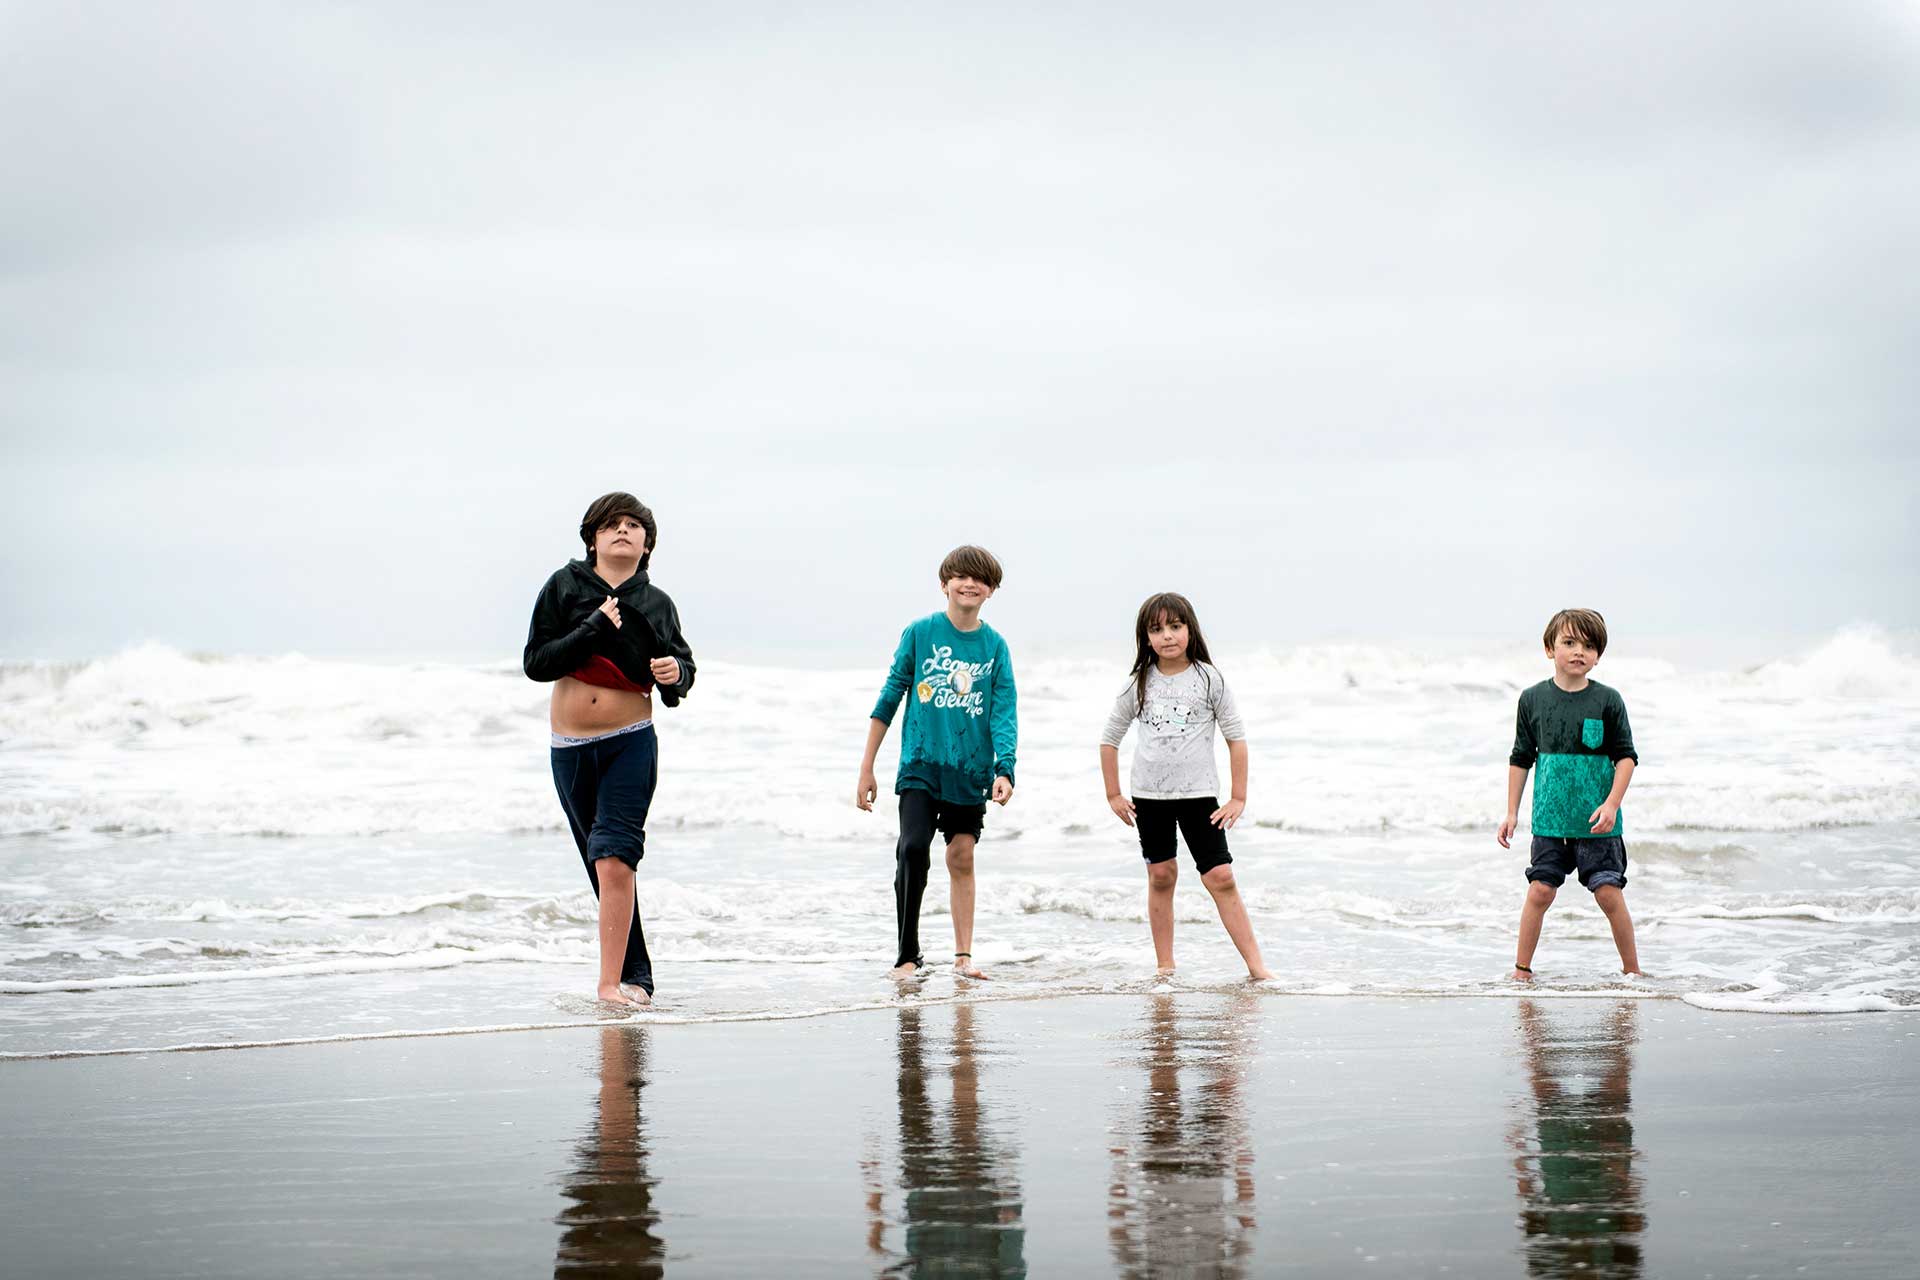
[1593,733]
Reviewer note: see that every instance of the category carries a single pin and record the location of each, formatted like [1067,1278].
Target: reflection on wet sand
[1581,1205]
[961,1205]
[1181,1201]
[610,1226]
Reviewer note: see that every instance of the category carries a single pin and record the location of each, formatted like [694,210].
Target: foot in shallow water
[1262,974]
[615,994]
[964,967]
[905,972]
[1521,975]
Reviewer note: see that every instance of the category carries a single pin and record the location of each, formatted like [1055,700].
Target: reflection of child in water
[962,1207]
[610,1224]
[1581,1204]
[1168,1204]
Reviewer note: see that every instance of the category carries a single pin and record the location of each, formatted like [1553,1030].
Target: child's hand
[866,791]
[666,671]
[611,608]
[1002,790]
[1227,814]
[1600,821]
[1505,834]
[1122,807]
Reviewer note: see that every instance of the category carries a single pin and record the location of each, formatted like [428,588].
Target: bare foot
[1521,975]
[1164,971]
[902,972]
[614,993]
[963,966]
[1262,974]
[636,994]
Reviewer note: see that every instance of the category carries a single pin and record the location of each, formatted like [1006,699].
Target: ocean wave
[436,958]
[1874,907]
[1359,740]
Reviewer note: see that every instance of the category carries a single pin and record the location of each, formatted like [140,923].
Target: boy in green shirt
[956,748]
[1576,731]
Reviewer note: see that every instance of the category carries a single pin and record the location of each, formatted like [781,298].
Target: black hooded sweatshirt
[568,628]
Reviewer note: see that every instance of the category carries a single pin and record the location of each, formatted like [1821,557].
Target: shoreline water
[208,850]
[1197,1133]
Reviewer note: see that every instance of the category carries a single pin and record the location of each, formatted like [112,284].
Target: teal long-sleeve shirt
[961,727]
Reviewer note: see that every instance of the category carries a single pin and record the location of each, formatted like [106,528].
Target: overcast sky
[321,324]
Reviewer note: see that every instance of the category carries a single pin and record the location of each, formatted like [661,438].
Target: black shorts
[1156,819]
[1600,860]
[924,811]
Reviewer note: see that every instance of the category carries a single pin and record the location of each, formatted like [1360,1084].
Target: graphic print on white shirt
[1164,713]
[1173,754]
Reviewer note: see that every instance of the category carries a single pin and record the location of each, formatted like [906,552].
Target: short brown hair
[971,562]
[607,508]
[1586,624]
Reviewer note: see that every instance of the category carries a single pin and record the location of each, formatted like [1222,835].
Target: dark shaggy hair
[1584,623]
[611,507]
[1173,607]
[970,562]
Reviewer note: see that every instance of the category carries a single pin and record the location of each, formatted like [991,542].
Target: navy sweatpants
[606,788]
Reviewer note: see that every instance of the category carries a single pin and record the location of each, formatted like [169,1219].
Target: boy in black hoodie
[607,638]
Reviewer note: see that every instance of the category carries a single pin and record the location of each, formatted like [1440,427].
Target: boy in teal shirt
[1575,730]
[956,748]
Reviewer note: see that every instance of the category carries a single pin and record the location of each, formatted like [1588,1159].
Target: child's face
[1168,636]
[1572,656]
[623,537]
[966,593]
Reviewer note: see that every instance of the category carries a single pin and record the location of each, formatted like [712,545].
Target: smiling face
[966,593]
[1573,657]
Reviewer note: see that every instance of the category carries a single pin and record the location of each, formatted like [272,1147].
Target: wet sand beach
[1195,1134]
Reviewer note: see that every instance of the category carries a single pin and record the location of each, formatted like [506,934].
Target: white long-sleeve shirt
[1173,759]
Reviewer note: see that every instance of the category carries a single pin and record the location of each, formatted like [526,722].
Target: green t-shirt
[1571,741]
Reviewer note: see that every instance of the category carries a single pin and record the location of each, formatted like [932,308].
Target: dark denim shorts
[1600,860]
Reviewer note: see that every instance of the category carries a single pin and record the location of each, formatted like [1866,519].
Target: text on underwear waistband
[562,740]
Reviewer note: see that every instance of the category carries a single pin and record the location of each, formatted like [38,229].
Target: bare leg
[616,918]
[1233,914]
[960,890]
[1533,913]
[1161,877]
[1613,905]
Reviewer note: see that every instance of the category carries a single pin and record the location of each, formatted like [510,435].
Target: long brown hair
[1174,607]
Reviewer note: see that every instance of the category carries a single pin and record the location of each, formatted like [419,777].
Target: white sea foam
[1353,739]
[420,876]
[436,958]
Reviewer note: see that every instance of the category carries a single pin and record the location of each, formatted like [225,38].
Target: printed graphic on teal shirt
[950,684]
[1566,791]
[1593,733]
[960,724]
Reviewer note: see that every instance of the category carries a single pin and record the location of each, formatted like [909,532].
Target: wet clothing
[569,632]
[1173,756]
[1155,820]
[606,781]
[606,786]
[920,815]
[961,726]
[1571,741]
[1600,860]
